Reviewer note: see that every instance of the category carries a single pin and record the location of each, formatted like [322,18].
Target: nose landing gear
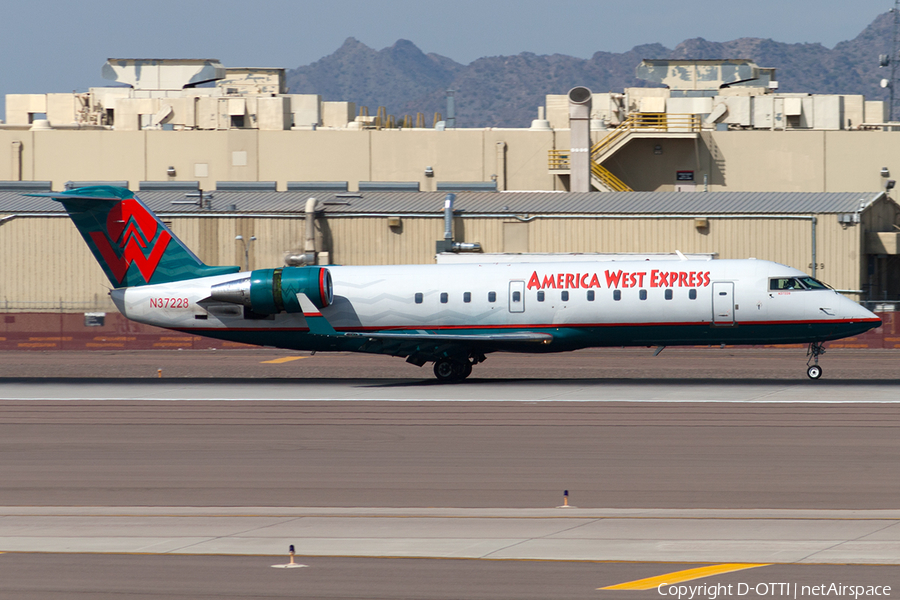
[816,349]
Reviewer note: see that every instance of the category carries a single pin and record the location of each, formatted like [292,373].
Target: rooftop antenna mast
[451,106]
[891,59]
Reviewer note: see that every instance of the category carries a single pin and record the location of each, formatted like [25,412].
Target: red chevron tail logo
[130,231]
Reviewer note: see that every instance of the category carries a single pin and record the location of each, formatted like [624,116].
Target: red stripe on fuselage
[527,326]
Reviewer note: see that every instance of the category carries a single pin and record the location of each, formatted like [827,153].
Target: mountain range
[505,91]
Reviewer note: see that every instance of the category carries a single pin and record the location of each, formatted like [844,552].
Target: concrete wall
[808,161]
[281,156]
[641,168]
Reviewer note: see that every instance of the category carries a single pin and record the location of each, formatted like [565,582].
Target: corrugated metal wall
[46,265]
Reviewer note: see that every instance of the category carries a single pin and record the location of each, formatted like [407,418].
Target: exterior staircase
[636,124]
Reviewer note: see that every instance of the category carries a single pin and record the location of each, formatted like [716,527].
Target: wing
[425,336]
[420,346]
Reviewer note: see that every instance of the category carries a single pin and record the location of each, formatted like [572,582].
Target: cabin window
[517,296]
[590,295]
[492,296]
[419,297]
[643,295]
[467,296]
[617,295]
[692,294]
[668,294]
[565,296]
[540,296]
[444,297]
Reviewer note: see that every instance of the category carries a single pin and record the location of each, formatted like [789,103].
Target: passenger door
[516,296]
[723,303]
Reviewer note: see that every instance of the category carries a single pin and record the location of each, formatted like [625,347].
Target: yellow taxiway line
[682,576]
[278,361]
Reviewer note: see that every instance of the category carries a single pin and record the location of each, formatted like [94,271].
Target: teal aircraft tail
[130,242]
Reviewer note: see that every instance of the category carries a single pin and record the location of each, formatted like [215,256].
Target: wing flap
[424,336]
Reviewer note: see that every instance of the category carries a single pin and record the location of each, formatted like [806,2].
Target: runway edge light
[292,564]
[565,503]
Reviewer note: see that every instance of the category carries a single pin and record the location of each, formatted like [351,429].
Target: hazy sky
[60,46]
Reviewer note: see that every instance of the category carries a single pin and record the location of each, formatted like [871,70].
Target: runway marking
[284,359]
[458,400]
[681,576]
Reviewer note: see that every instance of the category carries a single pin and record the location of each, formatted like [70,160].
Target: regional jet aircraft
[455,315]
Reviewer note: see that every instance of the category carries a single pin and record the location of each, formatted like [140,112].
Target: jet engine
[271,291]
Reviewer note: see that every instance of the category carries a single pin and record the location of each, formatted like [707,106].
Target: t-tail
[130,242]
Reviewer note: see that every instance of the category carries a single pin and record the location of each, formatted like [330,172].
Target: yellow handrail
[647,121]
[559,160]
[609,180]
[664,122]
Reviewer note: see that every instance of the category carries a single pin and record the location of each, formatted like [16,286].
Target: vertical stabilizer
[130,242]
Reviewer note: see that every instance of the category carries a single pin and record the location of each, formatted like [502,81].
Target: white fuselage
[611,293]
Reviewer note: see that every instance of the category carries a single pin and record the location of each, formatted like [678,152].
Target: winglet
[316,322]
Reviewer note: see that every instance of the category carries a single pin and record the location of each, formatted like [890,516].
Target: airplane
[454,315]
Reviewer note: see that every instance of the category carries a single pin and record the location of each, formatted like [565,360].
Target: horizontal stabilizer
[78,194]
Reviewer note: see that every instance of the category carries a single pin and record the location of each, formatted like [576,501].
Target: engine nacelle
[271,291]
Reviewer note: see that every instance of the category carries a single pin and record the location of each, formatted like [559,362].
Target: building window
[444,297]
[418,297]
[643,295]
[668,294]
[492,296]
[467,296]
[692,294]
[541,296]
[617,295]
[590,295]
[565,296]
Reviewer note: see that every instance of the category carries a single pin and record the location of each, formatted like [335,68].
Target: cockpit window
[796,283]
[785,283]
[813,284]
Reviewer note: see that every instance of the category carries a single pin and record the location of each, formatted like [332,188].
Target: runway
[693,391]
[504,454]
[556,534]
[365,474]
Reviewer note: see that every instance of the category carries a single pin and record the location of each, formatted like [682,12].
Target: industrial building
[847,239]
[708,125]
[722,162]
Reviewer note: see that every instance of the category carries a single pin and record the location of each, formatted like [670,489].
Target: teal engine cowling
[271,291]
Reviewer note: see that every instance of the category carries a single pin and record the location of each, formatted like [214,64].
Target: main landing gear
[451,370]
[816,349]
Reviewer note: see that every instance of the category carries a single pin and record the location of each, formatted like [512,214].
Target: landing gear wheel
[448,370]
[816,349]
[445,370]
[466,369]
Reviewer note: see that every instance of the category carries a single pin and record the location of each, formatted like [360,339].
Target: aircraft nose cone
[860,313]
